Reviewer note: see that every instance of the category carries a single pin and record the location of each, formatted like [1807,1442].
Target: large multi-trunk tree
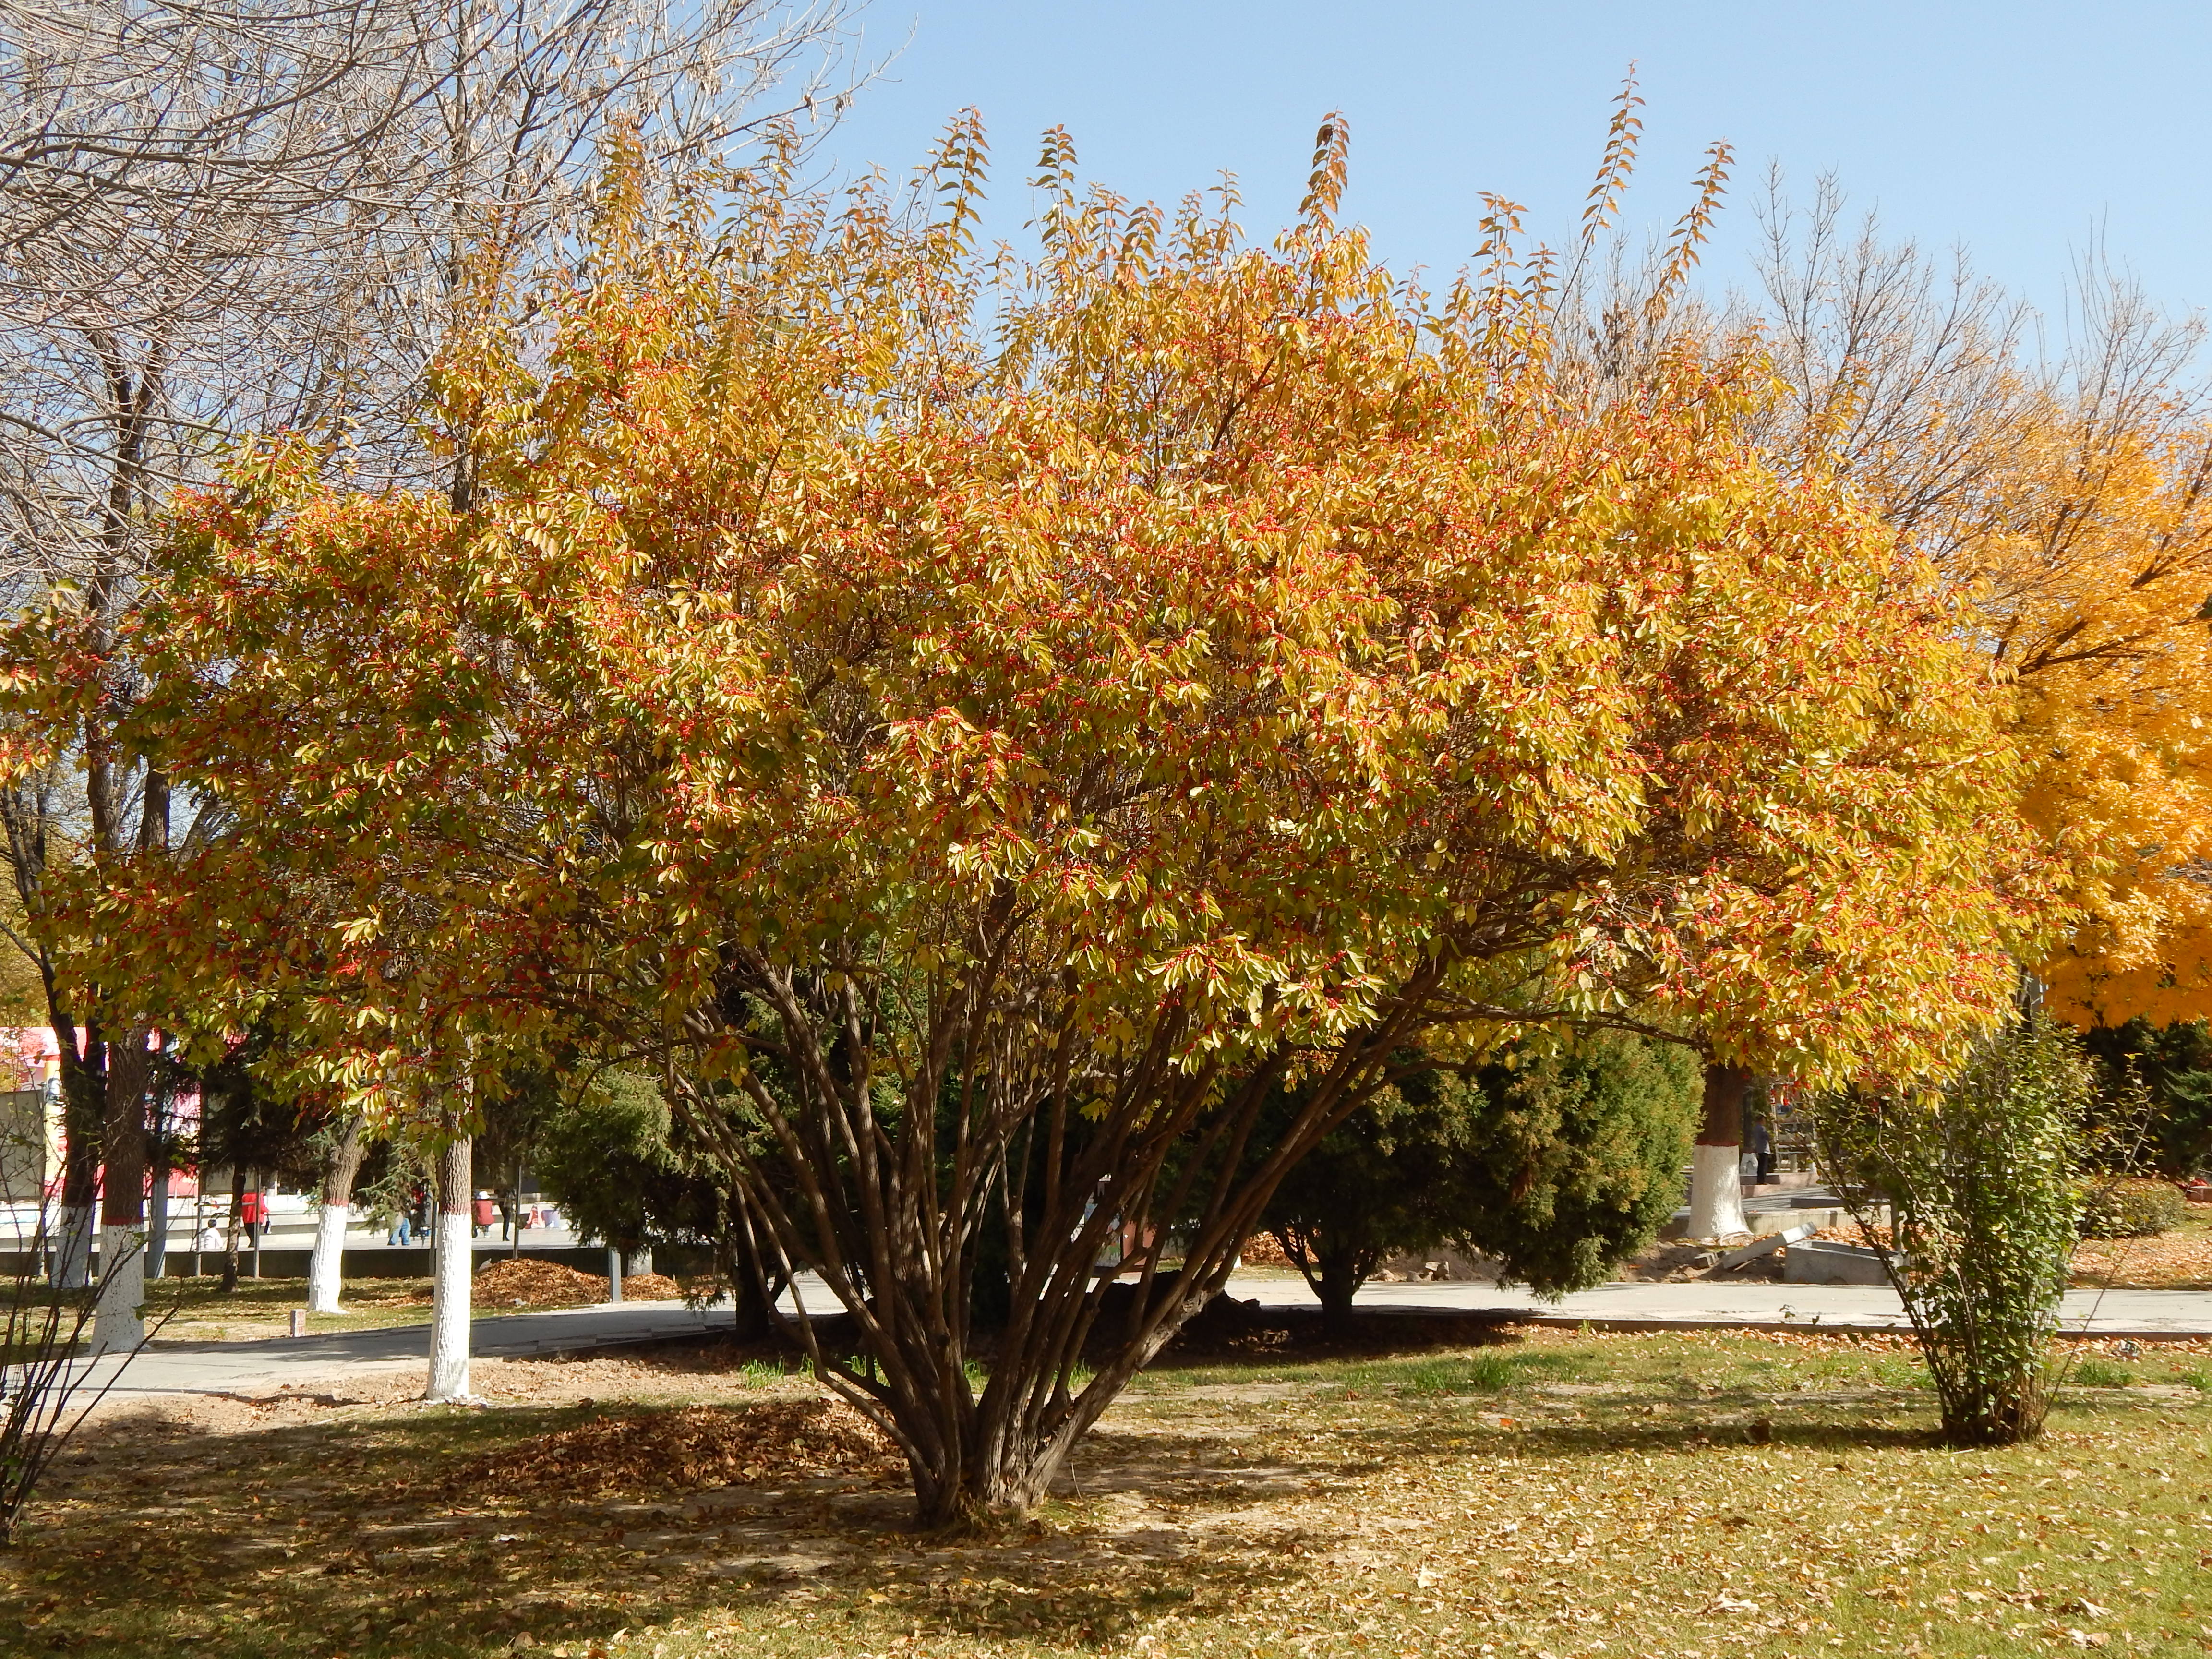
[978,729]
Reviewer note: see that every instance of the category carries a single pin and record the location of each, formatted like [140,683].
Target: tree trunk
[756,1281]
[997,1463]
[157,1215]
[230,1230]
[1716,1183]
[325,1266]
[449,1294]
[83,1110]
[117,1324]
[1341,1275]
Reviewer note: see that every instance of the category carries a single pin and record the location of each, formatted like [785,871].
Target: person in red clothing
[484,1213]
[253,1212]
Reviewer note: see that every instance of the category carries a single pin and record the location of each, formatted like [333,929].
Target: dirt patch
[1669,1262]
[687,1449]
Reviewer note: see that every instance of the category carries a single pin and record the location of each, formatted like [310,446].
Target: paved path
[256,1369]
[2143,1315]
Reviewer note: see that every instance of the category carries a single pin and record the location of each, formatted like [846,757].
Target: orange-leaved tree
[2068,506]
[977,726]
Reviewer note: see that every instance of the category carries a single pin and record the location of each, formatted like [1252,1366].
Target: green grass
[2096,1372]
[1564,1494]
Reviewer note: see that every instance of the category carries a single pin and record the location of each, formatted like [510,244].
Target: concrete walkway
[2144,1315]
[258,1368]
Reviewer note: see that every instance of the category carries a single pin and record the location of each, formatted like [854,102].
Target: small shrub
[1984,1176]
[46,1395]
[1481,1373]
[2096,1372]
[2134,1210]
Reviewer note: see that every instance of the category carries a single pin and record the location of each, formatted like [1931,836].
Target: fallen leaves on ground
[1263,1250]
[530,1282]
[2171,1260]
[1580,1494]
[688,1450]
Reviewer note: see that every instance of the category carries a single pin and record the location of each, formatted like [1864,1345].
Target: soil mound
[687,1449]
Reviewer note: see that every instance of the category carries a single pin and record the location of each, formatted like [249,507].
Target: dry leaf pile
[691,1449]
[1263,1250]
[530,1282]
[2181,1259]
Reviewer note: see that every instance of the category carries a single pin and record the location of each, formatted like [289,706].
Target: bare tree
[224,219]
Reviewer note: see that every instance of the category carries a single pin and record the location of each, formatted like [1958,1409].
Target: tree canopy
[973,728]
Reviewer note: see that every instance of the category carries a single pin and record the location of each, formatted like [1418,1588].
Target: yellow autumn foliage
[2092,568]
[2065,504]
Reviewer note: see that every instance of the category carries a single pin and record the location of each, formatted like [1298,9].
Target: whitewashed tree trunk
[326,1262]
[450,1285]
[325,1265]
[1716,1194]
[1715,1182]
[117,1323]
[157,1224]
[73,1248]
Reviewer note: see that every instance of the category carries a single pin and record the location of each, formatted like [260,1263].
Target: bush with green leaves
[1985,1178]
[2132,1210]
[624,1170]
[1559,1162]
[2171,1067]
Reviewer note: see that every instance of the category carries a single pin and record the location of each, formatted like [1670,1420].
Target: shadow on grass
[352,1536]
[353,1532]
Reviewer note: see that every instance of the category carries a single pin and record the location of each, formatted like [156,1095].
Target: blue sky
[2025,132]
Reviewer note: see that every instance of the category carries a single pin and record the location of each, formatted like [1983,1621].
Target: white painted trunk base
[72,1248]
[1715,1192]
[117,1323]
[157,1225]
[326,1263]
[449,1310]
